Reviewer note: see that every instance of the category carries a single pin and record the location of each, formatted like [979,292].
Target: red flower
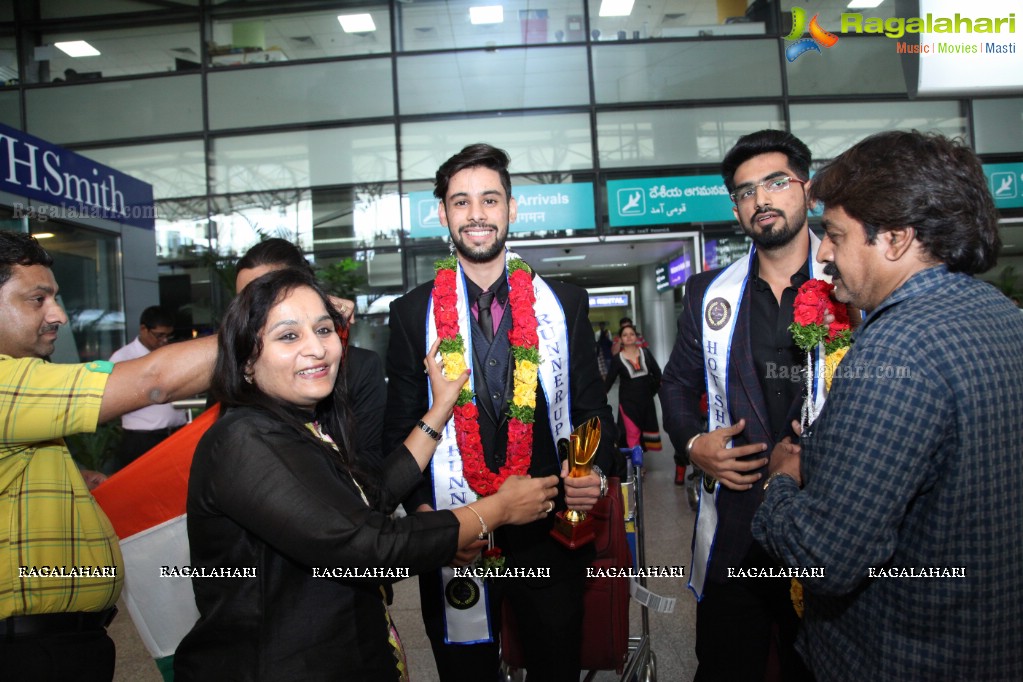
[522,298]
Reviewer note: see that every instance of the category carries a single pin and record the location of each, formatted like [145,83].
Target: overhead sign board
[665,201]
[1006,183]
[609,301]
[76,187]
[539,207]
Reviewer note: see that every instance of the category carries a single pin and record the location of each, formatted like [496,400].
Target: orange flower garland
[526,353]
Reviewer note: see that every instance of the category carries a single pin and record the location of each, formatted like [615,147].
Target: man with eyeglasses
[733,343]
[144,429]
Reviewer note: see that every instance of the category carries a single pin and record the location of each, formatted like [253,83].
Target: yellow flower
[831,364]
[525,373]
[525,396]
[796,594]
[454,365]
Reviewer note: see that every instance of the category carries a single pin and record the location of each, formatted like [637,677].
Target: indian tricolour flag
[146,505]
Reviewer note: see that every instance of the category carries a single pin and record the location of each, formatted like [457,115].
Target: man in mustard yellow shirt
[60,563]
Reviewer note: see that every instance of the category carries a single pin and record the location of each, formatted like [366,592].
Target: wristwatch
[603,480]
[773,476]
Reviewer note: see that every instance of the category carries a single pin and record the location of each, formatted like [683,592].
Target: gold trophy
[571,527]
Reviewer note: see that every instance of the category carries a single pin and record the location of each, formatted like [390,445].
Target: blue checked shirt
[914,467]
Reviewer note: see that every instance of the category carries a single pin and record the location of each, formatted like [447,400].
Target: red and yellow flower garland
[525,350]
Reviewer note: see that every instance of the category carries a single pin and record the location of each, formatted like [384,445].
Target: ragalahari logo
[818,36]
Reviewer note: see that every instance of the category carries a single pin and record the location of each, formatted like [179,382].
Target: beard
[775,236]
[480,254]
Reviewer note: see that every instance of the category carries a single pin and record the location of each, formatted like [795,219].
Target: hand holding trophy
[572,528]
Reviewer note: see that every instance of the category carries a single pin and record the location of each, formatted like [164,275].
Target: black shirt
[778,359]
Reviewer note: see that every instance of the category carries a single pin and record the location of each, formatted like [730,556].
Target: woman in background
[640,380]
[279,510]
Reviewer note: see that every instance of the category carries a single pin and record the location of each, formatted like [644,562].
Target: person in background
[363,369]
[278,497]
[732,339]
[908,487]
[145,428]
[616,344]
[61,570]
[640,377]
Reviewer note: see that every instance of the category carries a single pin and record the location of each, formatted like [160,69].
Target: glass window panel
[9,74]
[338,156]
[123,109]
[181,229]
[300,94]
[556,142]
[537,77]
[868,65]
[351,217]
[240,221]
[298,36]
[642,72]
[61,9]
[10,108]
[86,266]
[446,25]
[830,129]
[685,19]
[174,169]
[122,52]
[829,15]
[998,125]
[671,137]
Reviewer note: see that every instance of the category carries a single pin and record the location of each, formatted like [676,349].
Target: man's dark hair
[274,251]
[18,248]
[924,181]
[765,142]
[155,316]
[478,155]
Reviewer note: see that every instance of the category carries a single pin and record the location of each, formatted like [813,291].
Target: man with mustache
[463,617]
[61,570]
[909,487]
[733,343]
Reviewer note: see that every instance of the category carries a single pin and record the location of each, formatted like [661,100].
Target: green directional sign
[663,201]
[1006,183]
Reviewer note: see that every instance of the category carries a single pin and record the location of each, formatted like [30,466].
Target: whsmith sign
[76,187]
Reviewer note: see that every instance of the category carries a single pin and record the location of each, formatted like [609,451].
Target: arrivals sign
[540,208]
[76,187]
[1006,183]
[668,201]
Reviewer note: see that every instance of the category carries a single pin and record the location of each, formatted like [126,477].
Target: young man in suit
[733,342]
[462,616]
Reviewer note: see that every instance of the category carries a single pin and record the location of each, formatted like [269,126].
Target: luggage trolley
[638,662]
[641,665]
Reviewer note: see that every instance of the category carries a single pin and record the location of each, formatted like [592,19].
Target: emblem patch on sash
[718,313]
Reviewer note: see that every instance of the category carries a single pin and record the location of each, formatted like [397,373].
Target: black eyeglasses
[161,336]
[744,193]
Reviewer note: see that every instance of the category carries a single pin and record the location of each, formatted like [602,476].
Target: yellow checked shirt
[58,551]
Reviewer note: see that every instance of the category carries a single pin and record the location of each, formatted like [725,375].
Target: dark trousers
[80,656]
[736,624]
[549,622]
[458,662]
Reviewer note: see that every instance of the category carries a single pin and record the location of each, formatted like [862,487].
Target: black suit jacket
[684,382]
[407,401]
[262,496]
[367,391]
